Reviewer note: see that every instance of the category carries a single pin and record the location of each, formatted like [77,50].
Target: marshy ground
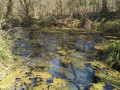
[62,59]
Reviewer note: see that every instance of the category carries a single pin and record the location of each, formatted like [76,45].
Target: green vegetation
[5,52]
[111,26]
[114,54]
[95,14]
[5,49]
[110,76]
[98,86]
[72,31]
[108,71]
[6,57]
[25,76]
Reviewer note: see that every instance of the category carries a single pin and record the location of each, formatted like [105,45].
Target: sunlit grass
[5,50]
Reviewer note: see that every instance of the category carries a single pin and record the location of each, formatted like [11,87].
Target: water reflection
[81,79]
[108,87]
[22,47]
[84,45]
[50,48]
[47,46]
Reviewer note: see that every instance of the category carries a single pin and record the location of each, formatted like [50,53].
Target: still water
[61,54]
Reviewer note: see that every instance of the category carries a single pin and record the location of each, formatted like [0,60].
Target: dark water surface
[67,54]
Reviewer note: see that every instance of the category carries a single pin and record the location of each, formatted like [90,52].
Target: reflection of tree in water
[22,47]
[80,78]
[84,45]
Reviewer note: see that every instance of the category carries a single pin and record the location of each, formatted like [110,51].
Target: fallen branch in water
[114,86]
[7,32]
[113,75]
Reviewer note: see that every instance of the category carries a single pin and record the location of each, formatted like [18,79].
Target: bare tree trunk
[118,5]
[104,7]
[9,9]
[26,5]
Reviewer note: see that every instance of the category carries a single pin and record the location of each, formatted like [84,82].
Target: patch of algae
[66,60]
[41,78]
[74,58]
[64,51]
[98,86]
[44,75]
[41,87]
[58,84]
[98,64]
[19,71]
[42,67]
[9,80]
[101,46]
[110,76]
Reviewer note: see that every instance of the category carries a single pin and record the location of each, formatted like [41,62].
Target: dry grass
[5,51]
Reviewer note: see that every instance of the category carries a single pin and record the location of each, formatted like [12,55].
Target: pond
[54,60]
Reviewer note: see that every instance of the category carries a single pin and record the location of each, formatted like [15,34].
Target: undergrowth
[5,49]
[113,57]
[111,26]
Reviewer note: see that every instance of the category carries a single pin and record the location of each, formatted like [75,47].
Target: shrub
[14,21]
[114,54]
[111,26]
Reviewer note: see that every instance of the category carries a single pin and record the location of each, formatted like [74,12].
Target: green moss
[98,86]
[110,76]
[101,46]
[63,52]
[6,57]
[58,84]
[8,81]
[98,64]
[41,87]
[19,71]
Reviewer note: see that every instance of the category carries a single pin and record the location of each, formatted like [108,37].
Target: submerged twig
[7,32]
